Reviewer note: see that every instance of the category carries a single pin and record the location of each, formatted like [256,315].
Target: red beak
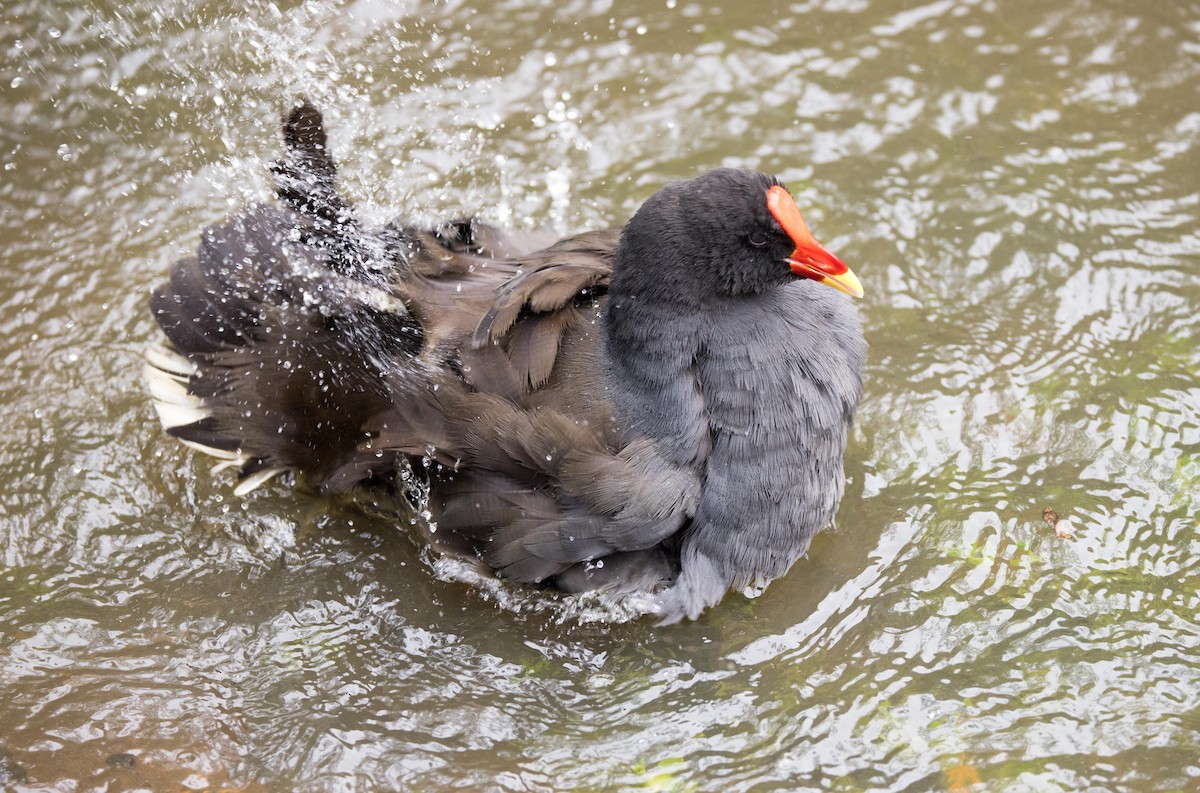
[810,259]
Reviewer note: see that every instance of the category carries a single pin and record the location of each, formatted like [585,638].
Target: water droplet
[558,185]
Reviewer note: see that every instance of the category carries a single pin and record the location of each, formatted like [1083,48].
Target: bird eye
[757,239]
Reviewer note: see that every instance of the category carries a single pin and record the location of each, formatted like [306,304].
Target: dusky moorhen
[662,407]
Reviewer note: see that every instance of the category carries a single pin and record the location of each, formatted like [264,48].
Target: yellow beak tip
[846,282]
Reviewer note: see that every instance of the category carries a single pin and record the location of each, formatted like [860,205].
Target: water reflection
[1017,185]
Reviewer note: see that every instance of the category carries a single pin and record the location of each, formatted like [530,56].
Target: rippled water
[1017,184]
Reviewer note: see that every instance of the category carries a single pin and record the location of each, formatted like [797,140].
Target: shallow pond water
[1018,186]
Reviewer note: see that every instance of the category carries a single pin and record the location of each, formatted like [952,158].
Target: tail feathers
[213,300]
[289,344]
[250,482]
[280,326]
[189,418]
[306,179]
[295,399]
[167,374]
[272,367]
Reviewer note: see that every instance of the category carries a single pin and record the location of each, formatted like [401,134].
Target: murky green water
[1017,184]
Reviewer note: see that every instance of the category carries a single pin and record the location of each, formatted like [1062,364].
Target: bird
[661,408]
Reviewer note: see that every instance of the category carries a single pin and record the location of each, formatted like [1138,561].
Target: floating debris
[1062,528]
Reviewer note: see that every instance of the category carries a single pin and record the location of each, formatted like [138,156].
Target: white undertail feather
[162,357]
[254,480]
[167,374]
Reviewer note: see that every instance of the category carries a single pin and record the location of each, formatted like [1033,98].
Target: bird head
[728,232]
